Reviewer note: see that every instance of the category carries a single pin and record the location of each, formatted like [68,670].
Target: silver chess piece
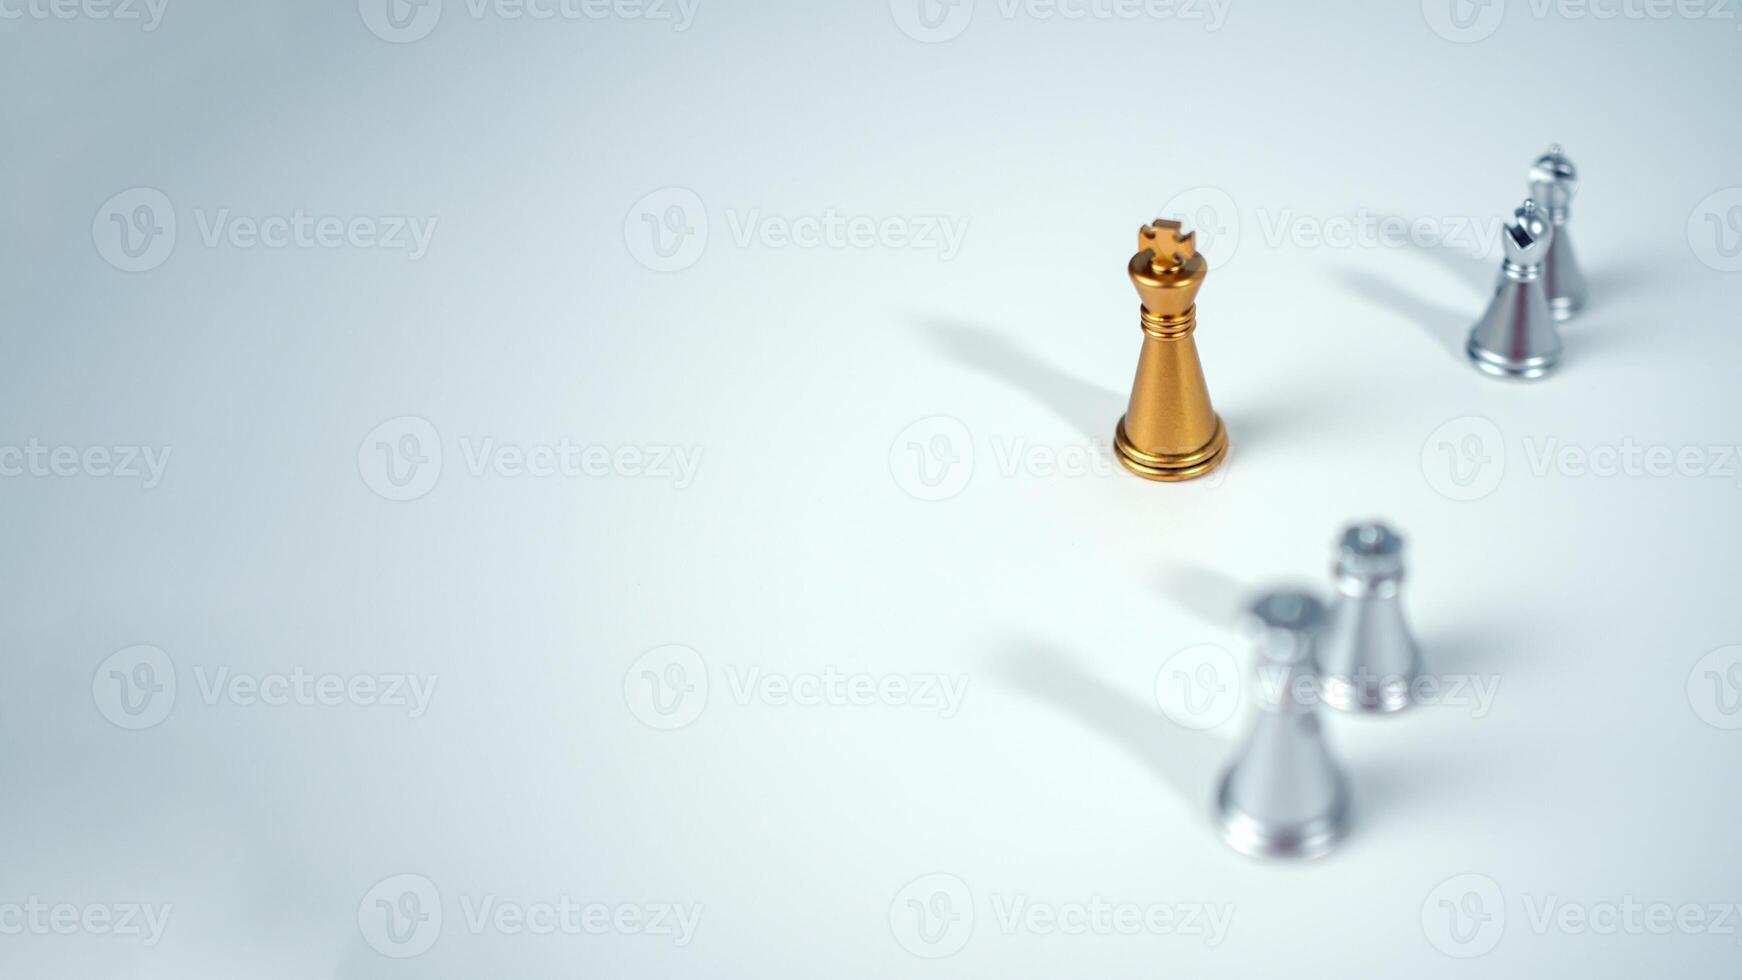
[1517,338]
[1283,795]
[1552,183]
[1368,659]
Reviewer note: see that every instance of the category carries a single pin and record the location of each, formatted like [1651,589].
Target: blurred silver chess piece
[1283,795]
[1368,659]
[1552,183]
[1517,337]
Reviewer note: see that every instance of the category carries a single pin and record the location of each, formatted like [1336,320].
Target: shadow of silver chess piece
[1209,595]
[1085,406]
[1447,327]
[1468,262]
[1184,759]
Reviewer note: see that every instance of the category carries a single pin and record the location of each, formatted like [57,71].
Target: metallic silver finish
[1368,659]
[1283,795]
[1553,180]
[1517,338]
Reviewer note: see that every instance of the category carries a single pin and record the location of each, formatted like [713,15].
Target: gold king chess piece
[1169,431]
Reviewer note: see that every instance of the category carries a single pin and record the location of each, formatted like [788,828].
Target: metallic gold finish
[1169,431]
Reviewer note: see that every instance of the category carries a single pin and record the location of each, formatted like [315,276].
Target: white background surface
[535,147]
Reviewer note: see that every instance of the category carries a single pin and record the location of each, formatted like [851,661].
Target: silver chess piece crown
[1553,180]
[1368,659]
[1517,338]
[1283,795]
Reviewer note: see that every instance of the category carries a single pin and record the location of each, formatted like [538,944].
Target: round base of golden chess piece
[1171,467]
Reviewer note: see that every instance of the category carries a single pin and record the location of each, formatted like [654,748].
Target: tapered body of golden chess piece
[1169,431]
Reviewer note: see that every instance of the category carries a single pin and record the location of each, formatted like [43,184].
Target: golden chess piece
[1169,431]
